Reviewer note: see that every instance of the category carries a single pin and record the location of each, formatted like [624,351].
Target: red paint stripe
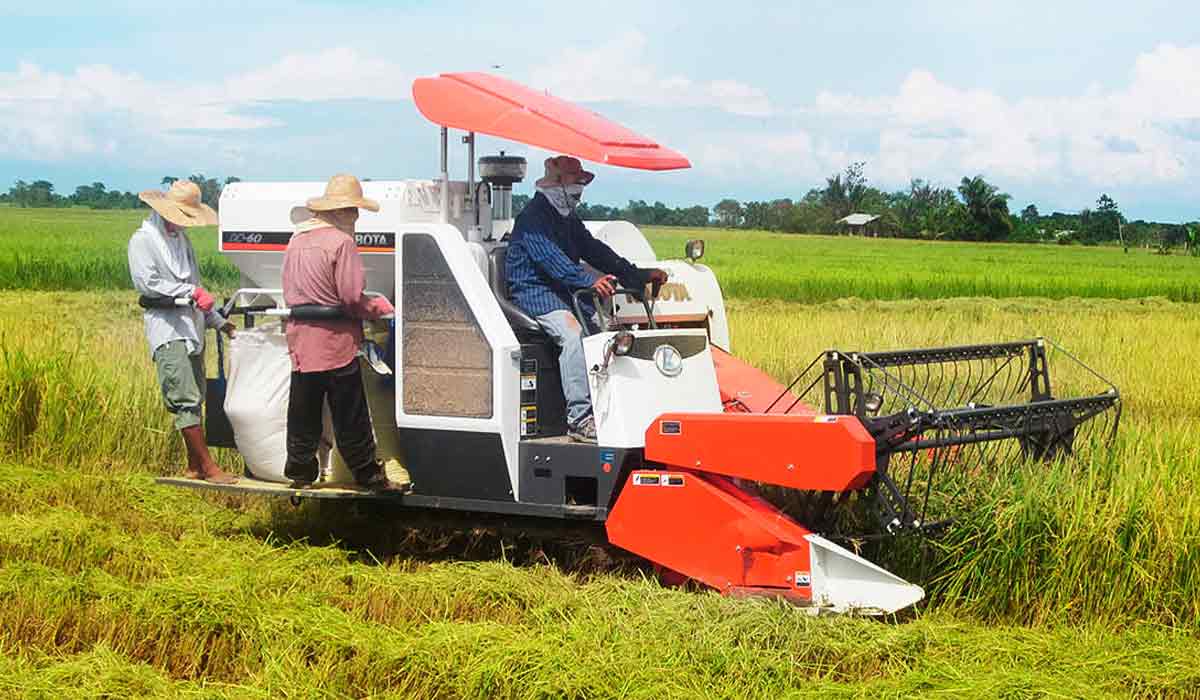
[254,246]
[282,247]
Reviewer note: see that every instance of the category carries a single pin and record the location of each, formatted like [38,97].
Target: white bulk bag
[256,401]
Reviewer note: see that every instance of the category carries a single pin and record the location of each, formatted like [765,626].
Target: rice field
[60,249]
[1065,581]
[76,248]
[761,265]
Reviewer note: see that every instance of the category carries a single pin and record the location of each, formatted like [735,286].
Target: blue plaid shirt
[542,263]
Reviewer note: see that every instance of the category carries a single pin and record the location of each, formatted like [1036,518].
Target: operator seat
[525,326]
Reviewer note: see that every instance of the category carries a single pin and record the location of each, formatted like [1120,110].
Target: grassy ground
[1076,581]
[112,585]
[765,265]
[1080,582]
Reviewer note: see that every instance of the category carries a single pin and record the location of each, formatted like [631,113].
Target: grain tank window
[447,361]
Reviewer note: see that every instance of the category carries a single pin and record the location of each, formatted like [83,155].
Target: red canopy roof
[492,105]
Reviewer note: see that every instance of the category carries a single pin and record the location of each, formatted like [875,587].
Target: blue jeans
[563,327]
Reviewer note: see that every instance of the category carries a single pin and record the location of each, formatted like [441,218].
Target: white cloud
[617,70]
[1145,133]
[337,73]
[97,109]
[1122,137]
[749,155]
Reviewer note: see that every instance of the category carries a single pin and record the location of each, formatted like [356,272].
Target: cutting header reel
[942,419]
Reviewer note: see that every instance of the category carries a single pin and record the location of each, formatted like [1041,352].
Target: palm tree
[987,209]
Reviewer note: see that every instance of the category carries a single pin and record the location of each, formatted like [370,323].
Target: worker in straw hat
[165,273]
[322,267]
[544,268]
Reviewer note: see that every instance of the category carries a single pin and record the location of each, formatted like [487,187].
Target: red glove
[203,299]
[379,306]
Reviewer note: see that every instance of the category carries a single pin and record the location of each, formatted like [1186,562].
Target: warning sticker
[529,420]
[646,480]
[803,578]
[670,427]
[528,382]
[825,419]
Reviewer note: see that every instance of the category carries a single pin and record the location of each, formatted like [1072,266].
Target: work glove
[204,300]
[379,306]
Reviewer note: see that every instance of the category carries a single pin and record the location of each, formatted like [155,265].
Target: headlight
[668,360]
[622,343]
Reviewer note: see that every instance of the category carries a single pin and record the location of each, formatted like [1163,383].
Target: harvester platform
[257,487]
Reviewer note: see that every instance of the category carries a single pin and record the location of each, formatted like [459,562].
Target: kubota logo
[674,291]
[372,240]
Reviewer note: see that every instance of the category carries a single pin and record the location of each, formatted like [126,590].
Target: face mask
[574,195]
[557,199]
[564,198]
[160,222]
[342,219]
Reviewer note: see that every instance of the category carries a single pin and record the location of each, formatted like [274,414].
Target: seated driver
[544,271]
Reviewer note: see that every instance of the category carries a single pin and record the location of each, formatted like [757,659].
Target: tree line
[41,193]
[975,210]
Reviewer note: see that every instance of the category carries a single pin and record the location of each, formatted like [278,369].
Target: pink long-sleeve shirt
[321,266]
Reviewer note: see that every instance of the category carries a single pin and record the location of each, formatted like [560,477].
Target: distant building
[861,224]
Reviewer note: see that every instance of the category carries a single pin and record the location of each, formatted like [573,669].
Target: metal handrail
[284,311]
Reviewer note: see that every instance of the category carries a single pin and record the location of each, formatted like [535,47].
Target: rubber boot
[200,460]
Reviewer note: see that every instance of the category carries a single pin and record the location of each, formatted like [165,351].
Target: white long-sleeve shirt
[164,264]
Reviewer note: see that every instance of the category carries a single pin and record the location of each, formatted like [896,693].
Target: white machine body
[667,370]
[456,363]
[257,220]
[624,238]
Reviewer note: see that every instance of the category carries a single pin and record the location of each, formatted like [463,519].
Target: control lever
[636,294]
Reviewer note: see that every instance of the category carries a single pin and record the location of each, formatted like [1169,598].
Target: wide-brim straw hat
[342,192]
[564,170]
[181,204]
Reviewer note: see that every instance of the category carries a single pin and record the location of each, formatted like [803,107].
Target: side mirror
[693,250]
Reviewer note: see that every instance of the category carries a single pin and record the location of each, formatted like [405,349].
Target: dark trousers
[343,388]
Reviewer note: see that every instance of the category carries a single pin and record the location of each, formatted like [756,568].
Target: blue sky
[1054,102]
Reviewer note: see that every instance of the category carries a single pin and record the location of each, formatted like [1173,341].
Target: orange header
[500,107]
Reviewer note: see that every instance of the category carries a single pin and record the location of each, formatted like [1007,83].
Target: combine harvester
[695,446]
